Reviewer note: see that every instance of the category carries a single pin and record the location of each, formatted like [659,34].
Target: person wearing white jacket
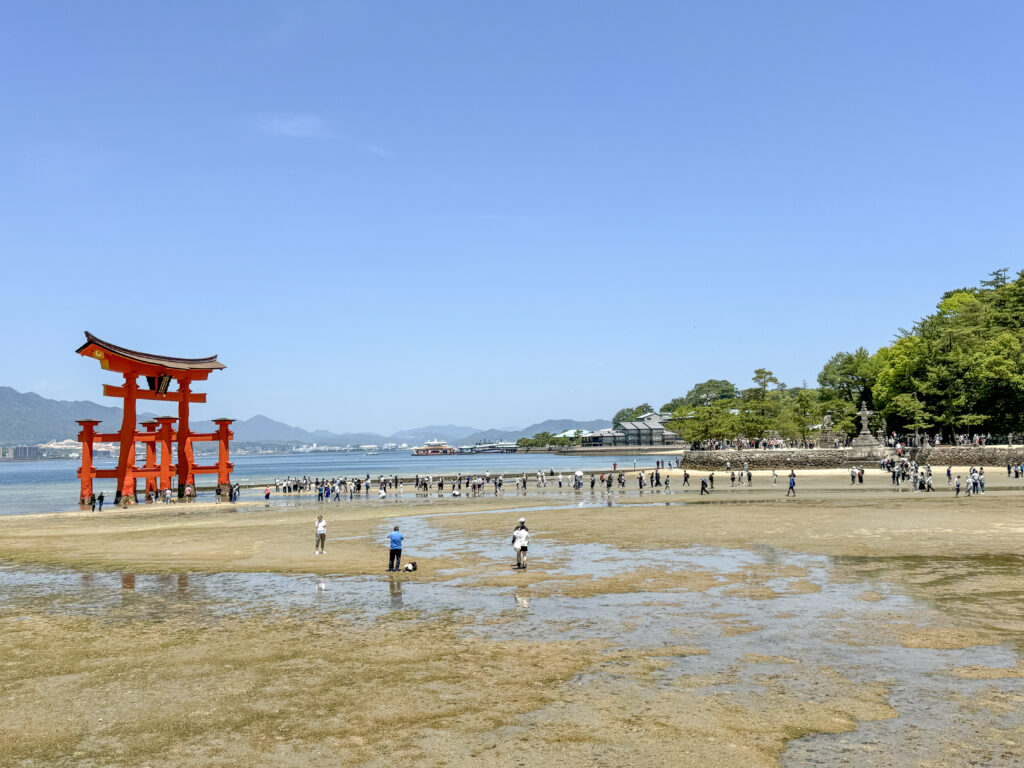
[321,535]
[520,542]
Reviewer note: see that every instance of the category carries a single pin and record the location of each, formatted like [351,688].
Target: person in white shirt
[321,535]
[520,542]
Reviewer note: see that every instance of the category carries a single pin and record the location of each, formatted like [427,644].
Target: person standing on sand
[266,493]
[711,480]
[520,542]
[792,484]
[704,486]
[92,501]
[775,478]
[395,546]
[686,478]
[100,500]
[321,535]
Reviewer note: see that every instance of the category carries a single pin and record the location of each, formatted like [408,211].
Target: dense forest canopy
[960,369]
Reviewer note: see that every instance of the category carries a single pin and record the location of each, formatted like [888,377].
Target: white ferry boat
[434,448]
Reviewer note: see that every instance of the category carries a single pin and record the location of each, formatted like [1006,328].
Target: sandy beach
[852,625]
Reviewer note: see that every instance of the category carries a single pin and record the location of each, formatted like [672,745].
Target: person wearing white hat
[520,541]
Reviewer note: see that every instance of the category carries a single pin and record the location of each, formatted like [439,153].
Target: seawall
[967,455]
[783,458]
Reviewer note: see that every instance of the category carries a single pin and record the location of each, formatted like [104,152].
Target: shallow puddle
[770,621]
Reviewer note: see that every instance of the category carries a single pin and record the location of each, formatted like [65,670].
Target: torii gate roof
[115,358]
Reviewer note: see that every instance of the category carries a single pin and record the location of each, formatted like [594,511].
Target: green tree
[630,414]
[997,278]
[705,422]
[799,414]
[763,378]
[540,440]
[911,411]
[703,393]
[674,404]
[759,408]
[849,376]
[960,367]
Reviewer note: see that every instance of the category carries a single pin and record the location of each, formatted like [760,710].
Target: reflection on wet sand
[878,660]
[985,592]
[819,645]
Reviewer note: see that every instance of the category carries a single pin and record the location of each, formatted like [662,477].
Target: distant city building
[62,445]
[27,452]
[647,431]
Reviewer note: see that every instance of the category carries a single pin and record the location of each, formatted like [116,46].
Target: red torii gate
[159,373]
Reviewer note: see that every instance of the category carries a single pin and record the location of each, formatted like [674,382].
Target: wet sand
[853,625]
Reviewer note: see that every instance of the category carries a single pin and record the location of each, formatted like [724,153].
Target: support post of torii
[86,437]
[150,446]
[224,465]
[185,473]
[165,434]
[126,459]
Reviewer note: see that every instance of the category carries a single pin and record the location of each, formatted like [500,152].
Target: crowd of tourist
[745,444]
[904,471]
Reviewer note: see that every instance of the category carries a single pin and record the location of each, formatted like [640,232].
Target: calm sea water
[52,486]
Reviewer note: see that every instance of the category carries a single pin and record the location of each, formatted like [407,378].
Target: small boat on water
[434,448]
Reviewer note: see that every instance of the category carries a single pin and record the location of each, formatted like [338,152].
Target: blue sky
[383,215]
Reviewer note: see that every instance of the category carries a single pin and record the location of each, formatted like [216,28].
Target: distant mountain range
[28,419]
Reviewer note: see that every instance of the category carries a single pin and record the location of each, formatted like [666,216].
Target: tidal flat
[854,625]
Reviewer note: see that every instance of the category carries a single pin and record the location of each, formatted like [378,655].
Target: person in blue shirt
[395,559]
